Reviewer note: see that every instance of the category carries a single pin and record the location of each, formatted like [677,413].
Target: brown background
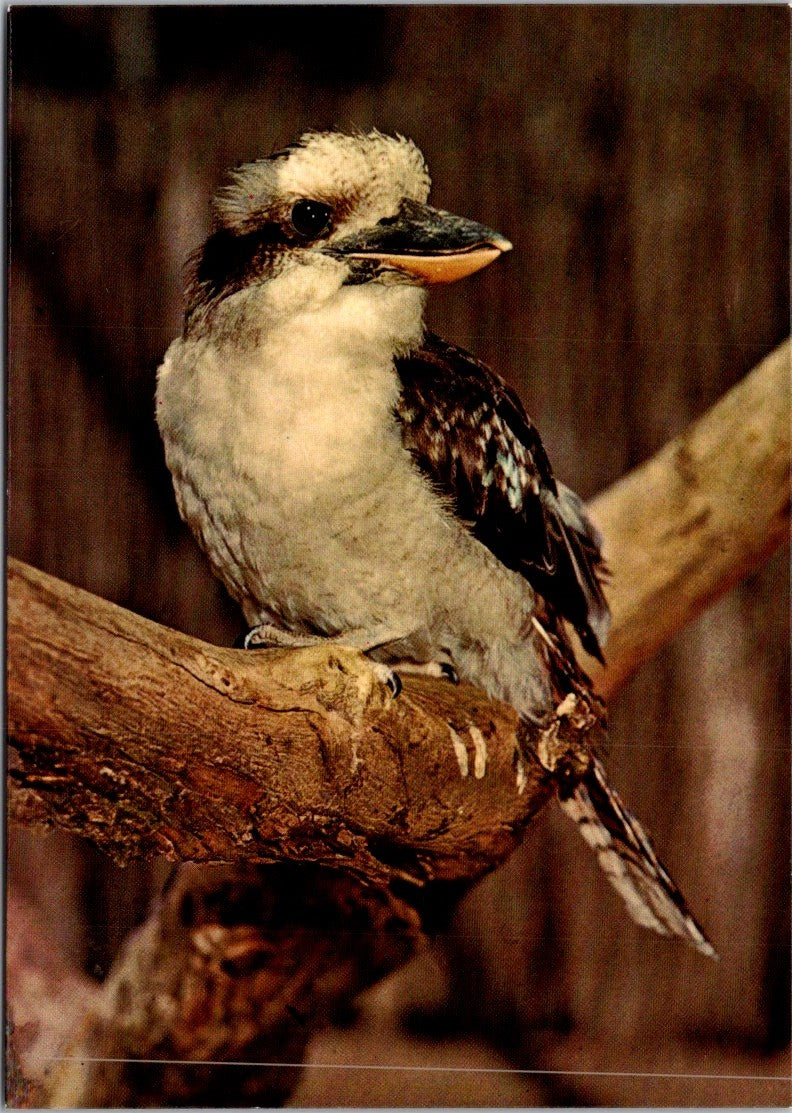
[638,159]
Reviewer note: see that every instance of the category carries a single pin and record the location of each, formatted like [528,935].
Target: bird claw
[448,672]
[267,636]
[386,675]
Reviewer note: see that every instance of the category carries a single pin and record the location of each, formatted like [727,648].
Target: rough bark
[213,1000]
[149,742]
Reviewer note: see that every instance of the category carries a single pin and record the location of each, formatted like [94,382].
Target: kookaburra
[351,476]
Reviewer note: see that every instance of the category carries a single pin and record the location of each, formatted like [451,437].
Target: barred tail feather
[629,861]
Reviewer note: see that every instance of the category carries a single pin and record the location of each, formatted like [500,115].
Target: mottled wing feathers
[469,433]
[629,861]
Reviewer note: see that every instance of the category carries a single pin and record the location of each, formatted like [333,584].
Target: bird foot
[267,636]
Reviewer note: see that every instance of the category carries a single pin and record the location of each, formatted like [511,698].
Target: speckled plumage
[345,473]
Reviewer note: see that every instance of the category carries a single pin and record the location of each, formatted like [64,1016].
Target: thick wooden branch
[237,965]
[149,742]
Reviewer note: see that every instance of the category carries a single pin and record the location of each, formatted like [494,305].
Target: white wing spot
[522,777]
[480,757]
[460,751]
[541,631]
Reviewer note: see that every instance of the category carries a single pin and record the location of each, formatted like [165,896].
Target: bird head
[352,203]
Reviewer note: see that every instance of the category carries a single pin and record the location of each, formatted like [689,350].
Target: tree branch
[149,742]
[238,965]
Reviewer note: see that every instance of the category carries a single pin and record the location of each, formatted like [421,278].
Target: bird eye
[310,218]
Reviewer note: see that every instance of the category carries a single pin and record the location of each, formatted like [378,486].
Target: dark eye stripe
[227,262]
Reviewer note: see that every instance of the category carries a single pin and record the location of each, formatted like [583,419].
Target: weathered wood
[149,742]
[237,965]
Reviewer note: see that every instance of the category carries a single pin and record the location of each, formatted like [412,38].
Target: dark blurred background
[637,157]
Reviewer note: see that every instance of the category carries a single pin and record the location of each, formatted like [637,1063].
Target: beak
[428,244]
